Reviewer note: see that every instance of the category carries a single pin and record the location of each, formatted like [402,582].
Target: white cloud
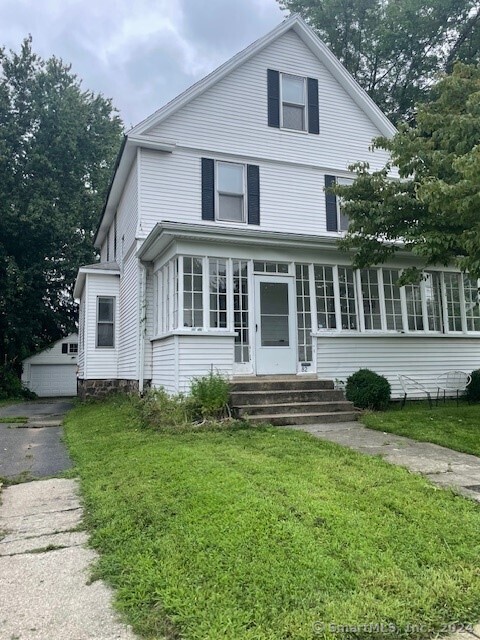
[141,53]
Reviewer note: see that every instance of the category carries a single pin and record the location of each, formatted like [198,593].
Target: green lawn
[448,425]
[259,534]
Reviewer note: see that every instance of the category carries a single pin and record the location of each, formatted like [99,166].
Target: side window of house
[336,219]
[230,191]
[73,347]
[65,347]
[292,102]
[106,322]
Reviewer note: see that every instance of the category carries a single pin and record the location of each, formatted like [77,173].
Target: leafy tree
[395,49]
[58,144]
[435,205]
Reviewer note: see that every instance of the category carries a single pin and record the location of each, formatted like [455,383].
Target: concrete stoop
[284,400]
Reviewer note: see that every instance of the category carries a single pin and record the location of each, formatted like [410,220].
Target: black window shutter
[313,115]
[64,347]
[253,197]
[273,89]
[331,204]
[208,189]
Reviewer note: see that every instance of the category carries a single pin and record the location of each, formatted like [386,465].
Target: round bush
[368,390]
[473,389]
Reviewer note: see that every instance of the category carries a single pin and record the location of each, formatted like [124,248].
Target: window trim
[112,322]
[218,193]
[70,345]
[293,104]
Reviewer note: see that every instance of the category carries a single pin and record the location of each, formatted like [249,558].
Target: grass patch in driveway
[450,426]
[257,534]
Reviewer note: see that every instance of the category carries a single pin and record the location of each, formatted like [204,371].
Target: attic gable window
[293,102]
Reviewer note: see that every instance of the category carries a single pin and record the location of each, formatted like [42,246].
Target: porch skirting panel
[422,358]
[177,359]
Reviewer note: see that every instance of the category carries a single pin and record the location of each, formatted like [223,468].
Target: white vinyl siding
[171,190]
[423,359]
[232,115]
[164,364]
[199,355]
[101,363]
[129,315]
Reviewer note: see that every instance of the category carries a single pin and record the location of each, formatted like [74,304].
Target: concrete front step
[280,384]
[294,408]
[244,398]
[303,418]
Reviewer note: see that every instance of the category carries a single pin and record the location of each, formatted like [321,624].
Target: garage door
[48,380]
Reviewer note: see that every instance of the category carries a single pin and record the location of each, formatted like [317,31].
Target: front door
[275,344]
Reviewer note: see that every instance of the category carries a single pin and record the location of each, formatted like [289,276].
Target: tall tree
[58,144]
[434,206]
[395,49]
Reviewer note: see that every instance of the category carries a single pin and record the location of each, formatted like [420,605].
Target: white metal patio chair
[452,381]
[409,385]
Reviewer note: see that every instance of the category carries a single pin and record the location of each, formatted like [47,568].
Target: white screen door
[275,343]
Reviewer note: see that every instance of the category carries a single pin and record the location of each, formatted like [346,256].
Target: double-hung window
[231,191]
[105,322]
[294,97]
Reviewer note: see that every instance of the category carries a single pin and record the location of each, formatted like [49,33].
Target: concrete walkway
[442,466]
[45,568]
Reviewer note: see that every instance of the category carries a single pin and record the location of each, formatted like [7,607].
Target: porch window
[393,300]
[472,307]
[325,297]
[240,311]
[262,266]
[193,292]
[304,316]
[433,301]
[413,296]
[348,301]
[218,293]
[453,301]
[371,299]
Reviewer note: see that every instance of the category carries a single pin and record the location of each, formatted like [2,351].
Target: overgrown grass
[454,427]
[13,420]
[257,534]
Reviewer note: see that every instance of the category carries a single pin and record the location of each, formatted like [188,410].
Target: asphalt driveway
[34,449]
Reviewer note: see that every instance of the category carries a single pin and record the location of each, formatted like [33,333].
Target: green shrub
[368,390]
[473,389]
[209,396]
[160,410]
[11,385]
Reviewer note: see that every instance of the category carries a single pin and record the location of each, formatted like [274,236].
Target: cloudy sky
[140,53]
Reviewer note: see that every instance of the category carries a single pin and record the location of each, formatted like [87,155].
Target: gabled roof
[316,46]
[138,136]
[98,268]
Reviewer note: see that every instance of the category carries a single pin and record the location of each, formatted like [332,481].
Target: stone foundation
[101,388]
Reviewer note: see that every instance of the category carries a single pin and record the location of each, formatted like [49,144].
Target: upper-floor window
[336,218]
[293,93]
[105,321]
[292,102]
[231,191]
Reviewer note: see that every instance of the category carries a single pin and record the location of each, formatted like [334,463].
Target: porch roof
[164,233]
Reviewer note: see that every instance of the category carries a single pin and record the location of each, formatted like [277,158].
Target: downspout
[142,326]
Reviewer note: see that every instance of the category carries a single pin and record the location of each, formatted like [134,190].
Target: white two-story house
[218,242]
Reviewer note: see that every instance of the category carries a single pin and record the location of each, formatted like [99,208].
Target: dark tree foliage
[58,144]
[434,208]
[395,48]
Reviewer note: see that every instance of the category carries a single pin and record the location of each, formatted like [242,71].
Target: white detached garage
[53,372]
